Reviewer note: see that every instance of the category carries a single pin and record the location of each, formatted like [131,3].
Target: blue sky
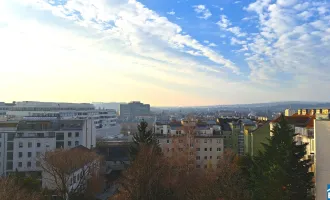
[174,52]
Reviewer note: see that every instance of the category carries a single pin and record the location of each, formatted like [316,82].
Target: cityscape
[30,129]
[164,100]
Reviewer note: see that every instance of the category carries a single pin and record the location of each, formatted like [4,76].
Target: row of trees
[279,172]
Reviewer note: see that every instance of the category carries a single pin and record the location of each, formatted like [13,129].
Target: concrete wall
[322,158]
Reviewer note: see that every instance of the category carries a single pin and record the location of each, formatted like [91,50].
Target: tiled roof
[299,120]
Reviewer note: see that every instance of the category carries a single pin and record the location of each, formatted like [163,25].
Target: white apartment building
[199,143]
[33,109]
[21,145]
[78,175]
[322,159]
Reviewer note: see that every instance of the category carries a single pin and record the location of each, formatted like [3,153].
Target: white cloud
[171,12]
[237,2]
[288,44]
[235,41]
[212,45]
[286,3]
[206,41]
[305,15]
[201,9]
[225,24]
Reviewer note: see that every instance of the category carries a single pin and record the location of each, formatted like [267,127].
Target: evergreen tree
[281,172]
[143,136]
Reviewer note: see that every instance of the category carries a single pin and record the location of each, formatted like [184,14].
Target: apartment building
[24,141]
[133,109]
[322,159]
[78,174]
[196,141]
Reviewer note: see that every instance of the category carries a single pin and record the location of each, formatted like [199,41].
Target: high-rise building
[133,109]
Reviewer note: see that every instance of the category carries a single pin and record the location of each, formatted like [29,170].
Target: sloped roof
[299,120]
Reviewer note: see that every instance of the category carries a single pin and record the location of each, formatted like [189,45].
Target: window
[9,155]
[205,157]
[197,140]
[218,157]
[69,143]
[191,145]
[20,144]
[168,149]
[59,136]
[20,154]
[38,154]
[180,149]
[205,140]
[198,149]
[218,141]
[218,149]
[38,164]
[10,146]
[74,179]
[10,137]
[20,164]
[205,149]
[29,144]
[205,166]
[180,141]
[210,157]
[168,141]
[69,134]
[0,142]
[76,143]
[38,144]
[198,166]
[29,164]
[161,131]
[29,154]
[51,134]
[9,165]
[210,149]
[198,157]
[59,145]
[77,134]
[40,134]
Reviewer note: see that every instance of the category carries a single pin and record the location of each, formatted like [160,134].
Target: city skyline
[166,53]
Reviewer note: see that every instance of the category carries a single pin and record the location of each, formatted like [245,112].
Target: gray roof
[50,125]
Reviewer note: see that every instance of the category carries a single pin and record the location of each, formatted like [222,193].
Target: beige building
[195,142]
[322,159]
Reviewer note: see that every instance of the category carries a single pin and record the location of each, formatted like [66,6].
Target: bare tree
[231,183]
[144,179]
[68,171]
[9,190]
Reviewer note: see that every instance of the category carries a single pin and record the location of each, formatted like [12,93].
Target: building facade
[133,109]
[34,110]
[22,145]
[194,142]
[322,160]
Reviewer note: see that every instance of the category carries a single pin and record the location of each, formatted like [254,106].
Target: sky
[165,52]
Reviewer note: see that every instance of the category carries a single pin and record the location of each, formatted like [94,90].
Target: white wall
[46,144]
[322,158]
